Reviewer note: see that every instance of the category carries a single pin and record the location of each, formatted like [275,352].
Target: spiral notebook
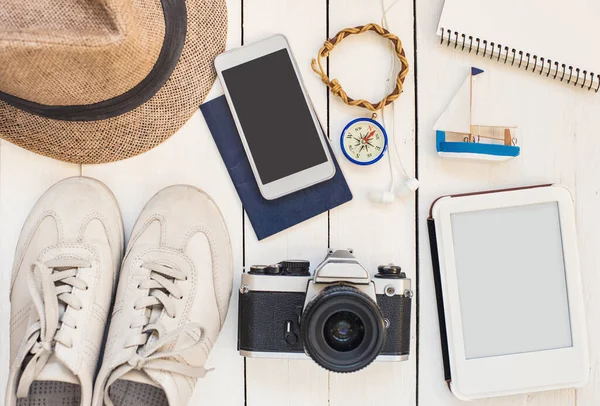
[556,40]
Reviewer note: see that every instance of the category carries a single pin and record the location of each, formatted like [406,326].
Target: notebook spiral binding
[541,65]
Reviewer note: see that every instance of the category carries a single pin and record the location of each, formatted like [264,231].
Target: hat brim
[144,127]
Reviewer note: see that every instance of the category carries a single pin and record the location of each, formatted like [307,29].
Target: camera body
[342,318]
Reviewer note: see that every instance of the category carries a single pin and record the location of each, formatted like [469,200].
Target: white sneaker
[171,302]
[62,284]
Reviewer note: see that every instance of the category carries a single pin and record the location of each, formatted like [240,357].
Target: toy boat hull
[473,150]
[470,157]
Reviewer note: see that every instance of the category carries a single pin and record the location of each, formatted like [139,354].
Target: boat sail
[461,131]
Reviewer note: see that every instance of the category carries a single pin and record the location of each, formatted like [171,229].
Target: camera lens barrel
[342,329]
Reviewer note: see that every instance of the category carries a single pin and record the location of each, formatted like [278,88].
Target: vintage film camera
[341,317]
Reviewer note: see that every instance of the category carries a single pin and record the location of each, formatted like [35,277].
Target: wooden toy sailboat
[460,132]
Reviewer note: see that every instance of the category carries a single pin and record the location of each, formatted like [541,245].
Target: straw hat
[91,81]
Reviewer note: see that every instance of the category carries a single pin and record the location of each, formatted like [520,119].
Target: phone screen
[275,118]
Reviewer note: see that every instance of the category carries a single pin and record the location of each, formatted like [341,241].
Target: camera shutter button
[257,269]
[390,271]
[273,270]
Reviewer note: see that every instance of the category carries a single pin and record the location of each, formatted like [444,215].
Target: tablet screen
[511,280]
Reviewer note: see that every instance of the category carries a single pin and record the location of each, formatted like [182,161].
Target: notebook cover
[549,40]
[269,217]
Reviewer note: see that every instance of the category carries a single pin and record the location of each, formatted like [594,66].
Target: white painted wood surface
[558,126]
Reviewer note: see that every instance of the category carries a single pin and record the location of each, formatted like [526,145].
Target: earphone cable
[392,138]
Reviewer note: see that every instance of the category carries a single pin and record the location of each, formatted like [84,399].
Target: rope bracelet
[335,86]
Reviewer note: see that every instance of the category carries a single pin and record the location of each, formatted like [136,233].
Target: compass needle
[364,147]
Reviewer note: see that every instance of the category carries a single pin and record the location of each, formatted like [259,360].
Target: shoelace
[50,283]
[162,293]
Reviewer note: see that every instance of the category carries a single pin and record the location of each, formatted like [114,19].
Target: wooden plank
[191,157]
[24,177]
[289,382]
[378,233]
[557,129]
[582,126]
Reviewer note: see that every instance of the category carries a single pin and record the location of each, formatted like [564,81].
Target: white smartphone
[277,123]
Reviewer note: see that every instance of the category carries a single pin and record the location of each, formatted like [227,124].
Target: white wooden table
[560,143]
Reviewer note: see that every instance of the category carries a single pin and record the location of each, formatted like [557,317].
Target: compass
[363,141]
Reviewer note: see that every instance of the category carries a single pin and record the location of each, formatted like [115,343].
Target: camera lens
[342,329]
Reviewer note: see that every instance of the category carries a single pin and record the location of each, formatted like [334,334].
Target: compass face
[364,141]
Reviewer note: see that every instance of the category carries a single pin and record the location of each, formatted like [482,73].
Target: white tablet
[282,137]
[510,298]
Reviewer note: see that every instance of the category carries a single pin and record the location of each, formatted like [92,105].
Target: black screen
[274,116]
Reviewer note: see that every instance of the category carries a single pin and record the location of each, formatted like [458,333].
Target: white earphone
[410,184]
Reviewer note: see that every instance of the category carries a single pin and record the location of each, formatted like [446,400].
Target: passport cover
[269,217]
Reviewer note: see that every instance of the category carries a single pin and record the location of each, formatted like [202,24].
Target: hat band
[175,15]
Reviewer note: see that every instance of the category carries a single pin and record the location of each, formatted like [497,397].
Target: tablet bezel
[517,373]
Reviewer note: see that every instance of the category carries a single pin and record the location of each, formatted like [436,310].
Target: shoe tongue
[139,377]
[55,370]
[154,314]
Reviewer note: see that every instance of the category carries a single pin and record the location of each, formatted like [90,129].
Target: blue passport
[269,217]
